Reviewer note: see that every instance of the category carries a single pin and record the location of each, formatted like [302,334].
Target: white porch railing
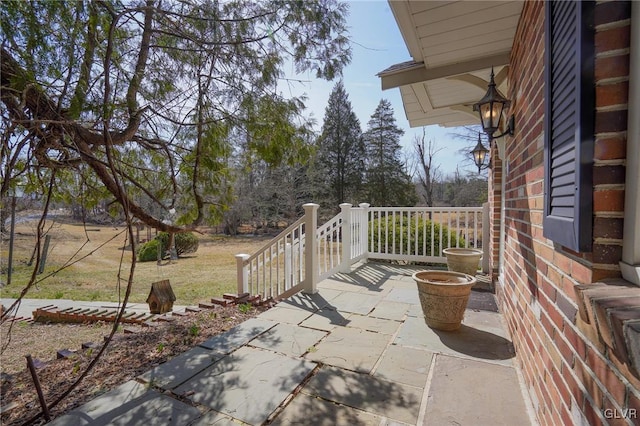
[291,262]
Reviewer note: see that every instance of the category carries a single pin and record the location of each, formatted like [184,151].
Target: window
[569,123]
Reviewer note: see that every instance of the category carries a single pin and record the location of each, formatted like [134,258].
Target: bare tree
[428,172]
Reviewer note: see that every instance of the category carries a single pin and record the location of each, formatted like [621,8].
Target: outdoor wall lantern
[480,154]
[491,108]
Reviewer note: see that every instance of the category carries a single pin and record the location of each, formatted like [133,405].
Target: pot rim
[470,280]
[460,251]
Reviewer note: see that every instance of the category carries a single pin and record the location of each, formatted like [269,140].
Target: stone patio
[356,353]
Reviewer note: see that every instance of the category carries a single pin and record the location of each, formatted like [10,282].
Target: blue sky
[377,44]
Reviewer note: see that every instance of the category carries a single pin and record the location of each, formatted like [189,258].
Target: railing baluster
[393,241]
[433,234]
[424,234]
[280,288]
[417,235]
[380,233]
[466,227]
[475,229]
[271,283]
[458,229]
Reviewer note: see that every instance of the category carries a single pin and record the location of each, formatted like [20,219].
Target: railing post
[345,240]
[364,229]
[311,248]
[243,273]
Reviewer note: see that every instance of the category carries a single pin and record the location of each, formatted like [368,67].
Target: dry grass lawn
[98,259]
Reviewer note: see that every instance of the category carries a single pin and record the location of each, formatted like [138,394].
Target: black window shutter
[569,123]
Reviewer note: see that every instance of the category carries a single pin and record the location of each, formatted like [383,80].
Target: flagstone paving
[239,335]
[289,339]
[368,393]
[130,404]
[326,319]
[356,353]
[493,386]
[350,348]
[181,368]
[405,365]
[248,384]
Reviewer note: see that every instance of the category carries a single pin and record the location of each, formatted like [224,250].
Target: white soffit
[453,45]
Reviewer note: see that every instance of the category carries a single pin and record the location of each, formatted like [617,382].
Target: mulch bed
[128,356]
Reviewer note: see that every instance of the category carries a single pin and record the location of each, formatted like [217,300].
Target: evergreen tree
[388,184]
[340,161]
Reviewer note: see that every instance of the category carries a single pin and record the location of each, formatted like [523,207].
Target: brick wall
[572,377]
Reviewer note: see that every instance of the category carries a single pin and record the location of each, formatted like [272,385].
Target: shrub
[185,242]
[384,240]
[149,251]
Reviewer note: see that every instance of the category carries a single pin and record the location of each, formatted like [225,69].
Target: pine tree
[341,153]
[388,184]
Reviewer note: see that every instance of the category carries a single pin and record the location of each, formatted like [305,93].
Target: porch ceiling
[453,45]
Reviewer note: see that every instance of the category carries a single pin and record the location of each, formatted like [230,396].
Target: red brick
[611,121]
[607,253]
[565,350]
[546,398]
[541,266]
[535,174]
[556,317]
[607,227]
[616,387]
[612,67]
[591,386]
[563,389]
[634,401]
[575,341]
[574,389]
[565,417]
[609,12]
[613,39]
[607,377]
[580,272]
[601,274]
[610,148]
[547,325]
[566,306]
[608,175]
[548,289]
[562,262]
[612,94]
[595,362]
[610,200]
[592,414]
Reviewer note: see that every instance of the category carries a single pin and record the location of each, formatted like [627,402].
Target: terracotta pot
[464,260]
[443,297]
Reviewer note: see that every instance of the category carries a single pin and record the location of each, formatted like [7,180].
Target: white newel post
[243,273]
[345,262]
[364,229]
[311,248]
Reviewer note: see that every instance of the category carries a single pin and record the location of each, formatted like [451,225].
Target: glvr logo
[627,413]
